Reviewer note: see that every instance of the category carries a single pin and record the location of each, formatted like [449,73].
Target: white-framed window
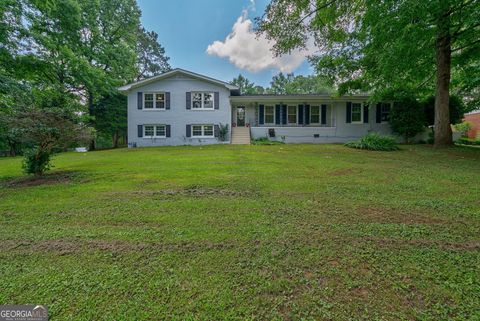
[153,101]
[385,112]
[154,131]
[269,116]
[357,113]
[202,100]
[315,115]
[292,114]
[202,131]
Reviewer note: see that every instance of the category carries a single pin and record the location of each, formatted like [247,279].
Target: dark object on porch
[271,132]
[316,135]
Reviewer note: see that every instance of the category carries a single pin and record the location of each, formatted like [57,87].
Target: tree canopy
[429,47]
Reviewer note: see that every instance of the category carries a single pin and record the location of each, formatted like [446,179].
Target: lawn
[245,232]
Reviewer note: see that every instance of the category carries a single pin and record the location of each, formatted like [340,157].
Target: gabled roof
[173,72]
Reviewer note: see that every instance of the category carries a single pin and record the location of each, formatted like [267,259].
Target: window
[154,100]
[385,112]
[154,131]
[269,115]
[202,130]
[202,100]
[357,114]
[315,115]
[148,101]
[292,114]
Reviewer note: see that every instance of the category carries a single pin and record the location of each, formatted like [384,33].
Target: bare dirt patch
[342,172]
[384,215]
[47,179]
[191,191]
[70,246]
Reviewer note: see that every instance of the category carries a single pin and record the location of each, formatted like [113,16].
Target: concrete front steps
[241,135]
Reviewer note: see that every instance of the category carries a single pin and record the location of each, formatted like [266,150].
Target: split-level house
[180,107]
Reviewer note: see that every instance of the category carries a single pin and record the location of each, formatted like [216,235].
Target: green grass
[306,232]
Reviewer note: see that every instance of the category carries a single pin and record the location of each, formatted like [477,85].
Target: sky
[215,38]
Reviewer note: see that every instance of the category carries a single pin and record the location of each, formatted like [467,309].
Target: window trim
[296,115]
[361,114]
[203,131]
[265,114]
[154,93]
[202,100]
[155,131]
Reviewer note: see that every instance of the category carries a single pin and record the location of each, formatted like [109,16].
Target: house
[474,119]
[180,107]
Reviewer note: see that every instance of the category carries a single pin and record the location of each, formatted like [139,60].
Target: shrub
[266,141]
[463,128]
[407,118]
[374,141]
[36,161]
[223,132]
[468,141]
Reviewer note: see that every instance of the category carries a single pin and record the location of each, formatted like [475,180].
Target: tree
[456,109]
[407,118]
[246,86]
[378,46]
[151,58]
[45,130]
[111,116]
[279,83]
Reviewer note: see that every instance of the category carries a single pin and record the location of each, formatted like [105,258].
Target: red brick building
[474,119]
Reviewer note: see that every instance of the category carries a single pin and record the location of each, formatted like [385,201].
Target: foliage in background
[71,55]
[111,117]
[367,45]
[407,118]
[374,141]
[457,109]
[46,131]
[463,128]
[246,86]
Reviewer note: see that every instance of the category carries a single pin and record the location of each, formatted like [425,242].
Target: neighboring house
[474,119]
[180,107]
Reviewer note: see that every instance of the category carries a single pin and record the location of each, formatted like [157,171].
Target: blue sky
[186,28]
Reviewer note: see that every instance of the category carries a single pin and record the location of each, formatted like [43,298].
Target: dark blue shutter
[167,130]
[365,113]
[216,130]
[307,114]
[140,131]
[139,100]
[284,114]
[379,113]
[189,101]
[349,112]
[188,131]
[300,114]
[324,115]
[277,114]
[216,100]
[261,114]
[167,100]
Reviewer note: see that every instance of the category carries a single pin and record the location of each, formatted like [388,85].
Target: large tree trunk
[443,131]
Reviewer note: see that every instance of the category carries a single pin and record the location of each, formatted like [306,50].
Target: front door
[240,116]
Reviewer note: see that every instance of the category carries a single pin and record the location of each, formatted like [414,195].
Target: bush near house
[374,141]
[266,141]
[468,141]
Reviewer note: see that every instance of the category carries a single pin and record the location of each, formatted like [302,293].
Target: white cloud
[247,51]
